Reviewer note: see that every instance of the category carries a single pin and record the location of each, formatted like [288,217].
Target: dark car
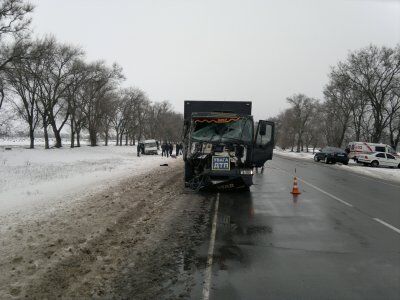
[332,155]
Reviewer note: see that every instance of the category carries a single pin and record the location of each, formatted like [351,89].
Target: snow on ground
[24,142]
[33,178]
[298,155]
[379,173]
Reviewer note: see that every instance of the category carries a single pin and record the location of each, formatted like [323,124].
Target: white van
[358,148]
[150,147]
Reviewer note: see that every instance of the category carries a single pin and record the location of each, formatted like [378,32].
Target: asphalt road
[339,239]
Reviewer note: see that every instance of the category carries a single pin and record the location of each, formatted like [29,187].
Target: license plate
[340,155]
[220,163]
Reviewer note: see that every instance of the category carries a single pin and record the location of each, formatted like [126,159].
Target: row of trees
[50,86]
[361,103]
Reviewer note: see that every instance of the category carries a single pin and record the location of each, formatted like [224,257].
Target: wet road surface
[334,241]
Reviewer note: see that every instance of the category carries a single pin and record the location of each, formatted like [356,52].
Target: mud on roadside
[136,240]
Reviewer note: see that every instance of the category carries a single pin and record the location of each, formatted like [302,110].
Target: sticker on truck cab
[220,163]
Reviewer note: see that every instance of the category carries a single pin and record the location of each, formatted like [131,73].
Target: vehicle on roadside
[222,144]
[360,148]
[149,147]
[332,155]
[379,159]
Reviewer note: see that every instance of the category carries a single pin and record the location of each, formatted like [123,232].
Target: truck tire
[188,172]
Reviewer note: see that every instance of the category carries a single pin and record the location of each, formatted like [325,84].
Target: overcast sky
[263,51]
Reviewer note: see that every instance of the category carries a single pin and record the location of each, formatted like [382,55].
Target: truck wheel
[398,166]
[375,163]
[316,159]
[327,160]
[188,172]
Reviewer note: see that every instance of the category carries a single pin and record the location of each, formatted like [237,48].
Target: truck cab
[222,146]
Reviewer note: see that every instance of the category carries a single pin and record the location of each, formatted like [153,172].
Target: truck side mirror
[263,128]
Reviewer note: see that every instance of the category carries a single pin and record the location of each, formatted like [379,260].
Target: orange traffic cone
[295,190]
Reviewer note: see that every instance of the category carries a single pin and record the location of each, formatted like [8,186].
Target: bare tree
[100,80]
[109,116]
[120,116]
[373,72]
[303,108]
[73,96]
[24,88]
[55,81]
[394,116]
[14,22]
[338,106]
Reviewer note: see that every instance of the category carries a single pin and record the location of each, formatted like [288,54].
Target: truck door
[263,143]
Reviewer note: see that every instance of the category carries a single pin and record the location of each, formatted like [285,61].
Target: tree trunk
[31,137]
[93,137]
[46,137]
[106,139]
[126,139]
[78,137]
[45,131]
[377,132]
[120,139]
[72,134]
[116,141]
[57,134]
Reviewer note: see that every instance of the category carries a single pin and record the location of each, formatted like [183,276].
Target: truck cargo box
[237,107]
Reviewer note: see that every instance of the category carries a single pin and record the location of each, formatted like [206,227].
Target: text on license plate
[220,163]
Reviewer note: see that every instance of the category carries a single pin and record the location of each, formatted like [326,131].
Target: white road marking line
[208,271]
[342,201]
[351,169]
[318,189]
[326,193]
[387,225]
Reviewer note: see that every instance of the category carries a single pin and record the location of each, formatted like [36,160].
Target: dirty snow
[379,173]
[129,240]
[30,178]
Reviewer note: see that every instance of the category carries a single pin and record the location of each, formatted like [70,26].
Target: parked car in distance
[149,147]
[332,155]
[360,148]
[380,159]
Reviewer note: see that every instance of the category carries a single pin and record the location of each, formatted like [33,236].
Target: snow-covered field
[33,177]
[379,173]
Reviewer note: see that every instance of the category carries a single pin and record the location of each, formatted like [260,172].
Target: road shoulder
[127,240]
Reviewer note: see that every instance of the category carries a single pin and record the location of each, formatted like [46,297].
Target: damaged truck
[222,144]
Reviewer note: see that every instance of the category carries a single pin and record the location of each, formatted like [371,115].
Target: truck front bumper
[228,180]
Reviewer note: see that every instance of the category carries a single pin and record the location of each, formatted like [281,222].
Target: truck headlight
[246,172]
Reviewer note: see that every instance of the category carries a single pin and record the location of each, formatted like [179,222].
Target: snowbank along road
[136,239]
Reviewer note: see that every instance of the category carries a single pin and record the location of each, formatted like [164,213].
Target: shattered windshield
[212,130]
[151,144]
